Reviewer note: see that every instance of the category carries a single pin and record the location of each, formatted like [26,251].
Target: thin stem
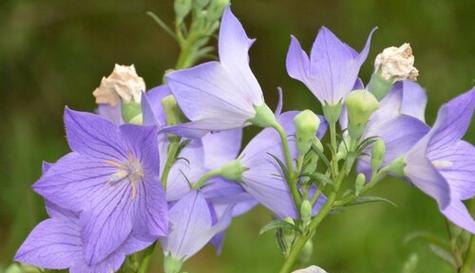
[469,257]
[205,177]
[292,176]
[173,149]
[334,162]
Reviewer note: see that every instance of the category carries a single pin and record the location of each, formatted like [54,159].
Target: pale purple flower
[192,226]
[442,165]
[264,179]
[332,69]
[399,122]
[219,95]
[56,244]
[111,178]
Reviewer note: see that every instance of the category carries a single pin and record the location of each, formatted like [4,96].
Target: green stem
[146,259]
[173,149]
[292,176]
[469,257]
[205,177]
[334,162]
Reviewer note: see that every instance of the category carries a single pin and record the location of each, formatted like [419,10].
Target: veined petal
[73,179]
[93,135]
[297,62]
[453,120]
[192,226]
[111,113]
[141,142]
[221,147]
[53,244]
[458,214]
[414,99]
[153,113]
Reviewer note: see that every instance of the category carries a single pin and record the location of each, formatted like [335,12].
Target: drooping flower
[111,178]
[264,179]
[123,84]
[192,226]
[56,244]
[220,95]
[332,69]
[442,165]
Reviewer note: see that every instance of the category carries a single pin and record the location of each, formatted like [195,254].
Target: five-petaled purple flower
[332,69]
[111,179]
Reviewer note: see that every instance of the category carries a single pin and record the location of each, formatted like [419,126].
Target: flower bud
[264,117]
[377,154]
[396,63]
[123,84]
[306,212]
[359,183]
[232,170]
[215,9]
[182,8]
[173,113]
[172,264]
[360,105]
[306,125]
[306,253]
[200,4]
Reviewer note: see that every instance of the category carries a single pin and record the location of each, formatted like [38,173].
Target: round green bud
[306,125]
[360,105]
[359,183]
[264,117]
[306,212]
[233,170]
[377,154]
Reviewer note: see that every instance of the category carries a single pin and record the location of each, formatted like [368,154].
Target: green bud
[264,117]
[289,220]
[332,112]
[306,253]
[379,86]
[132,112]
[215,9]
[306,126]
[377,154]
[200,4]
[360,105]
[318,145]
[171,264]
[182,8]
[232,170]
[396,167]
[172,111]
[306,212]
[342,151]
[359,183]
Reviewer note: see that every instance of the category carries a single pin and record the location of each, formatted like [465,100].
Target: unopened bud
[306,212]
[122,85]
[200,4]
[377,154]
[215,9]
[306,253]
[360,105]
[306,125]
[359,183]
[173,113]
[182,8]
[396,63]
[233,170]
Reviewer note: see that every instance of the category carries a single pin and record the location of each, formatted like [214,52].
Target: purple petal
[111,113]
[458,214]
[92,135]
[152,105]
[53,244]
[192,226]
[55,211]
[414,99]
[221,147]
[297,62]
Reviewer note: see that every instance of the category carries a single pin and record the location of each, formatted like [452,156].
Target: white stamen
[131,170]
[442,164]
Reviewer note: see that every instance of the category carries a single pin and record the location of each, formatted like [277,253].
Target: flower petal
[153,113]
[297,62]
[458,214]
[53,244]
[221,147]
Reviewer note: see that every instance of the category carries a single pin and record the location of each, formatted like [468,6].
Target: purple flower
[264,179]
[332,69]
[399,122]
[56,243]
[442,165]
[219,95]
[192,226]
[111,178]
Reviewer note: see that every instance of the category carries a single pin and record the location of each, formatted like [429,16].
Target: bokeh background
[54,52]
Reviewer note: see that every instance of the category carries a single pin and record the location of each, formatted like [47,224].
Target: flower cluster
[166,166]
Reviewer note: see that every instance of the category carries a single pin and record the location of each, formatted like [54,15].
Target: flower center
[130,170]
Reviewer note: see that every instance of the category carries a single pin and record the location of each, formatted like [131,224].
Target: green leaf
[320,177]
[284,169]
[278,224]
[320,155]
[370,199]
[443,254]
[428,237]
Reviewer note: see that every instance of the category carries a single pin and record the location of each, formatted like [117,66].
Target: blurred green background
[54,52]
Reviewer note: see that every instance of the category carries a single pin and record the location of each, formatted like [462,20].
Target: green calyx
[264,117]
[360,104]
[332,112]
[396,167]
[379,86]
[306,125]
[172,111]
[233,170]
[132,112]
[171,264]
